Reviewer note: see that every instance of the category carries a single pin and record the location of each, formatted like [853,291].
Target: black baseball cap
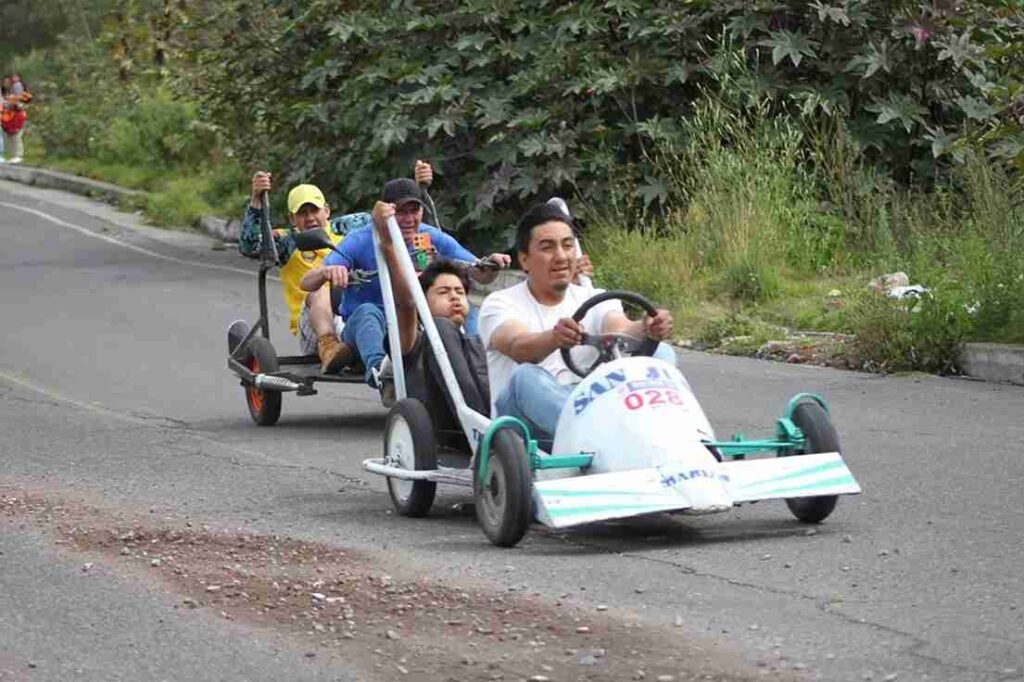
[401,191]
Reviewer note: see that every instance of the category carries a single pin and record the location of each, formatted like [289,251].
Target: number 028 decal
[652,397]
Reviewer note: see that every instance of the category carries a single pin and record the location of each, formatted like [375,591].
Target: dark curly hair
[442,267]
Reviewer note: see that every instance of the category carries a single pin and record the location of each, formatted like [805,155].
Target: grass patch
[173,197]
[132,177]
[762,237]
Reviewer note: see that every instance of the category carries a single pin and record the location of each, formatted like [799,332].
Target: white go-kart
[632,439]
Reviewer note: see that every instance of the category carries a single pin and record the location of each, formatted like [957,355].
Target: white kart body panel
[633,413]
[781,477]
[646,431]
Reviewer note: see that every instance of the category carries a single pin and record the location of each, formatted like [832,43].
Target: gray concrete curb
[994,362]
[50,179]
[218,228]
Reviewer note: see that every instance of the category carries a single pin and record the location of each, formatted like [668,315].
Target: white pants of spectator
[13,147]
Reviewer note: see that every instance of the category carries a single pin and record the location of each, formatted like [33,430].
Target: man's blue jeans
[534,396]
[364,330]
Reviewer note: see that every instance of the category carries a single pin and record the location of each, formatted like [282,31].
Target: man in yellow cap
[313,321]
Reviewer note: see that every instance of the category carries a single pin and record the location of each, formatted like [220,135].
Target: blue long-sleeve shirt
[356,253]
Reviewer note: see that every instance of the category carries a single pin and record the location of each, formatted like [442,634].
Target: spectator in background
[4,90]
[12,120]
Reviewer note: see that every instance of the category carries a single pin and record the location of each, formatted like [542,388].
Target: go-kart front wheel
[410,443]
[821,436]
[264,406]
[504,502]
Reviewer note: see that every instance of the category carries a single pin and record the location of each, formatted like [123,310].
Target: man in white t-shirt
[525,326]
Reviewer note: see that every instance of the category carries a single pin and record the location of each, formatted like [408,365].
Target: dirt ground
[335,603]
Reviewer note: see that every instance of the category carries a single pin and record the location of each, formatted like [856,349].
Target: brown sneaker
[334,354]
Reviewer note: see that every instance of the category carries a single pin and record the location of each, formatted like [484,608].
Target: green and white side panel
[582,499]
[796,476]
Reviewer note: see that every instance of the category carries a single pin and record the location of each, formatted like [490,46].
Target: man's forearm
[250,238]
[313,280]
[533,347]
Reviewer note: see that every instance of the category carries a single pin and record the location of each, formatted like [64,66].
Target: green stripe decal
[591,493]
[811,487]
[800,473]
[603,508]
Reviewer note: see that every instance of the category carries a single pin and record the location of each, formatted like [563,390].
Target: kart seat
[426,382]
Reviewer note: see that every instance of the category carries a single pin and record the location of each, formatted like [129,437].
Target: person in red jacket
[12,120]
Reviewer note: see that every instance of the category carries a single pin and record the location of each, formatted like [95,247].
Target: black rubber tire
[264,406]
[821,436]
[504,505]
[417,500]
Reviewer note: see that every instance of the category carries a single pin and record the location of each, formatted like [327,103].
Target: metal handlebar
[486,264]
[360,277]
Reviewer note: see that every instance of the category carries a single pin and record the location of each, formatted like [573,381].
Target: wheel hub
[400,454]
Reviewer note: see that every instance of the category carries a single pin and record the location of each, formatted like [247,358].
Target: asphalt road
[113,390]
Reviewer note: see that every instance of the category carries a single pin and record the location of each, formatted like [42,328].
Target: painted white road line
[152,254]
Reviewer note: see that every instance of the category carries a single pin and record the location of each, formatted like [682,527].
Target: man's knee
[667,353]
[521,377]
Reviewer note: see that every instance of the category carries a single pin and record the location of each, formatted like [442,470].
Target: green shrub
[735,324]
[882,337]
[180,203]
[750,281]
[894,335]
[157,130]
[659,267]
[939,326]
[517,101]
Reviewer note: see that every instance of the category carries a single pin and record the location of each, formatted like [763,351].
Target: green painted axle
[537,461]
[734,448]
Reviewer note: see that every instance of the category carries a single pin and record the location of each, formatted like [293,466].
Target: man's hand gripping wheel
[611,346]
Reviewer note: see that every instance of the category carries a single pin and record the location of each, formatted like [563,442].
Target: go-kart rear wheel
[504,503]
[264,406]
[410,443]
[820,436]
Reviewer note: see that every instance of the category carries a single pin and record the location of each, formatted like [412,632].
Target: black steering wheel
[611,346]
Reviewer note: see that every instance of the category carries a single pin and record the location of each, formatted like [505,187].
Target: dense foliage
[515,100]
[27,25]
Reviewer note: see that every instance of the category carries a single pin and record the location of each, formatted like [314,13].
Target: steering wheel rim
[647,345]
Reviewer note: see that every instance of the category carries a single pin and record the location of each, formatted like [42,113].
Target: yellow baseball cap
[305,194]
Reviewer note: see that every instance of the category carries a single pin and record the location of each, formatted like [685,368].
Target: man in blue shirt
[363,306]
